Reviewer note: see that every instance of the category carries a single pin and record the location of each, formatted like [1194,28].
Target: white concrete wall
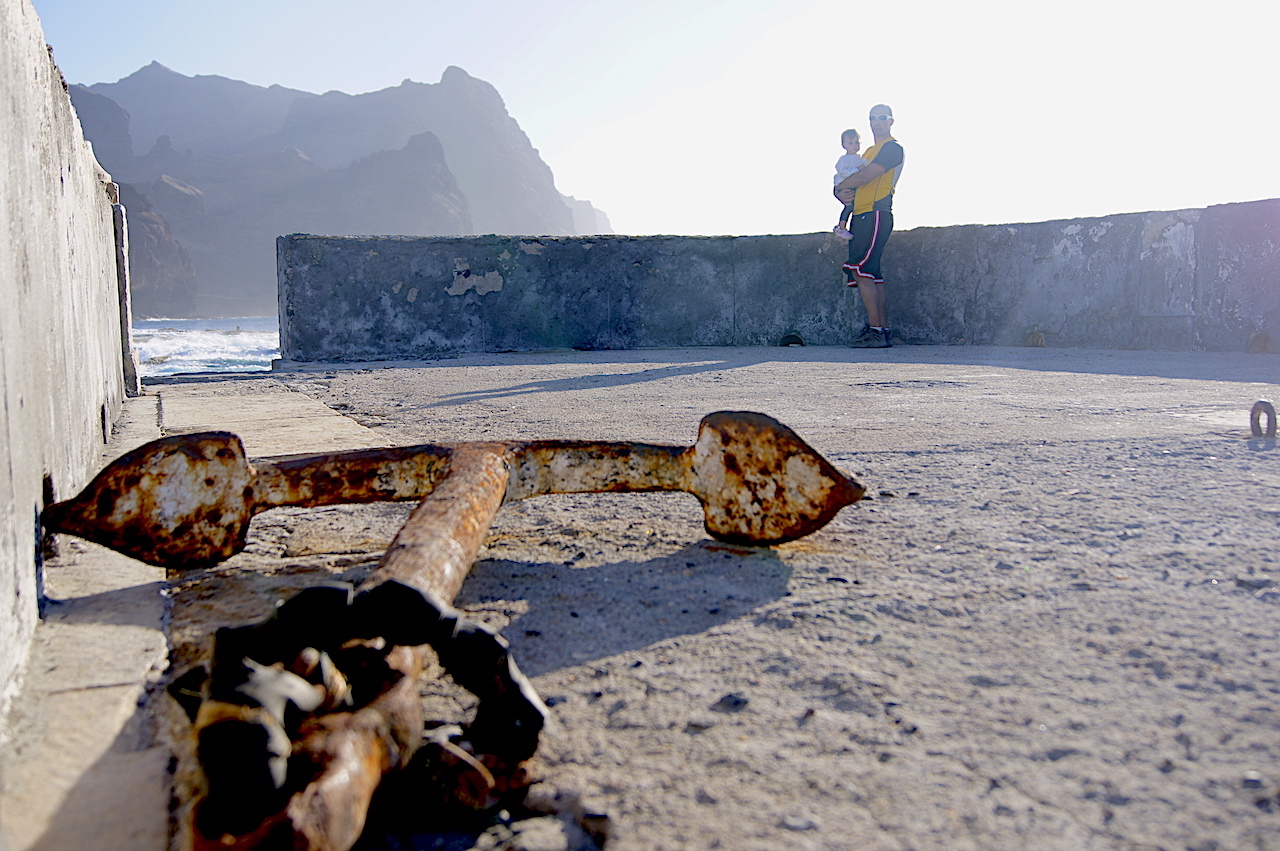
[61,378]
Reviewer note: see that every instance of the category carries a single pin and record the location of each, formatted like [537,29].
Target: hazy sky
[724,116]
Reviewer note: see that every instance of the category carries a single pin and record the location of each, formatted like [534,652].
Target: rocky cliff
[229,166]
[162,278]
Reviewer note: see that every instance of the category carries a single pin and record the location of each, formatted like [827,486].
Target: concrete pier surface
[1053,623]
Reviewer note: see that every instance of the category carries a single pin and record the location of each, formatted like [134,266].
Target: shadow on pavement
[564,616]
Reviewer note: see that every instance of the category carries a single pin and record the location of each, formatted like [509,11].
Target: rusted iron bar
[434,551]
[758,482]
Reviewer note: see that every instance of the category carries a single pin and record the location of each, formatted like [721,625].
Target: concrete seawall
[61,361]
[394,297]
[1184,280]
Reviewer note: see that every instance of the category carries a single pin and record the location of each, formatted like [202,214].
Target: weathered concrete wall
[379,298]
[1185,280]
[61,378]
[1180,281]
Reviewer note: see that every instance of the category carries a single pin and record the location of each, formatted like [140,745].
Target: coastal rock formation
[230,166]
[162,279]
[510,188]
[105,124]
[587,220]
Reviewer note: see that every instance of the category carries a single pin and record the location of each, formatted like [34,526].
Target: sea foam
[238,344]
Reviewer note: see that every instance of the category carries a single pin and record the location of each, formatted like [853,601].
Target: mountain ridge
[430,159]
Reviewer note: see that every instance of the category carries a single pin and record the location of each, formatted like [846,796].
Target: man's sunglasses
[885,117]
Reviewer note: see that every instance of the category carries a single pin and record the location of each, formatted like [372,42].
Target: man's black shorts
[870,233]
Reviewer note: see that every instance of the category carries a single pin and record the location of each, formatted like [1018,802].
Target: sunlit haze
[724,116]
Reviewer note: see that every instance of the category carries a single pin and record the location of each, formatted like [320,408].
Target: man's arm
[847,187]
[890,156]
[861,177]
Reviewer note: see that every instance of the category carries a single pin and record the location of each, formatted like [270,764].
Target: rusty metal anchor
[300,716]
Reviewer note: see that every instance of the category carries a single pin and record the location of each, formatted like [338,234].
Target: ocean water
[239,344]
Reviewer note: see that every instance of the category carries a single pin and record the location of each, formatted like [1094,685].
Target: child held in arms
[845,166]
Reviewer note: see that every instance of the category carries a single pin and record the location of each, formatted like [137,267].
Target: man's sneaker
[873,339]
[841,232]
[865,338]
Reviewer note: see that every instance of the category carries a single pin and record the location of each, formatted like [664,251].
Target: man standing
[870,190]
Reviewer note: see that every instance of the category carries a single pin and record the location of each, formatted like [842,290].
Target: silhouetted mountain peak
[231,165]
[454,79]
[153,69]
[426,143]
[206,114]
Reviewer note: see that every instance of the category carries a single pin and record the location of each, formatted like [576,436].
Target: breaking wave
[238,344]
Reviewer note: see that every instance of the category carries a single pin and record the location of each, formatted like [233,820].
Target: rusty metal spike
[182,501]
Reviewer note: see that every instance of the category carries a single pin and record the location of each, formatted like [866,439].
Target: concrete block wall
[1184,280]
[61,360]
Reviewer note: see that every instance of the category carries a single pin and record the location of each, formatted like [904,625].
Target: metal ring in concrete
[1262,408]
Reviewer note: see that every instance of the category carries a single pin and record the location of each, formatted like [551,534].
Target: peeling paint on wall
[1071,245]
[464,280]
[1177,241]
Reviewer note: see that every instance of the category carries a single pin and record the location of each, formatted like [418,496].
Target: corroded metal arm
[434,551]
[758,482]
[365,475]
